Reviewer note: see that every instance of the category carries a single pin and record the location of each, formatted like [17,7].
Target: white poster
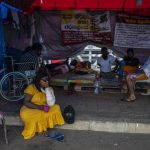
[133,33]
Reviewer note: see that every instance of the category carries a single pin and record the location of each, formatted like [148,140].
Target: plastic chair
[4,126]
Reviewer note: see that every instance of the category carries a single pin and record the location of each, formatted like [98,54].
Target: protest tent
[43,17]
[92,5]
[140,7]
[49,20]
[116,5]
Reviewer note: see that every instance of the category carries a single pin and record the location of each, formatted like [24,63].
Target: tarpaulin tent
[141,7]
[48,24]
[92,4]
[138,6]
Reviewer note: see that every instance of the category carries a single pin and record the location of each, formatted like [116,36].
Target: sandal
[131,98]
[128,100]
[56,136]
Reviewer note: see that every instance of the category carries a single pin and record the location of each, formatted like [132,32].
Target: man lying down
[64,67]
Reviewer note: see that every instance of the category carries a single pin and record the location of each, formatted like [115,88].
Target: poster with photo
[82,26]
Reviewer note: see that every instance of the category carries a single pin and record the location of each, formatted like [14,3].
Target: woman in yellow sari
[39,111]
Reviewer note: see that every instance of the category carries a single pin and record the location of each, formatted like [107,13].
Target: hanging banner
[132,31]
[82,26]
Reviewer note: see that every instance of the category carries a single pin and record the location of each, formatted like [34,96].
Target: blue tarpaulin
[2,43]
[3,14]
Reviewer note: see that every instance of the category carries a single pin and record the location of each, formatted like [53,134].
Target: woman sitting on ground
[142,74]
[40,111]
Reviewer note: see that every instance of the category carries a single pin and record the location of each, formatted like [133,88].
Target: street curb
[123,126]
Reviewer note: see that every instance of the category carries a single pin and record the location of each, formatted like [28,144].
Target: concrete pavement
[76,140]
[103,112]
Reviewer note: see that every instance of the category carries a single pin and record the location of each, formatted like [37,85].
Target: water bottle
[96,91]
[97,88]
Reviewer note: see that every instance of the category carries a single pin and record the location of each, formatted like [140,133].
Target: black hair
[37,46]
[130,50]
[104,48]
[104,53]
[27,49]
[39,75]
[74,62]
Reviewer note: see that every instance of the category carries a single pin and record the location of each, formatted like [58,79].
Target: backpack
[69,114]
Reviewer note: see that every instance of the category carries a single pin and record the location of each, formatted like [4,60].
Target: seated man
[143,74]
[129,64]
[105,62]
[31,55]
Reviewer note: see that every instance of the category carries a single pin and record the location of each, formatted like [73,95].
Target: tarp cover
[138,6]
[49,25]
[92,4]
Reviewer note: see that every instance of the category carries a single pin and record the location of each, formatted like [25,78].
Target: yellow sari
[37,120]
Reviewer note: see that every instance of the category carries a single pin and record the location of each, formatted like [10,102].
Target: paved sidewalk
[76,140]
[102,112]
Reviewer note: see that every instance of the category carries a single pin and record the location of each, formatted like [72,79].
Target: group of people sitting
[41,111]
[128,67]
[129,64]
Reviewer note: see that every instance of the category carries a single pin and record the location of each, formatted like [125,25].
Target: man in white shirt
[105,62]
[142,74]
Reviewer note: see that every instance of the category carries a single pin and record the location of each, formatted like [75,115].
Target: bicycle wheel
[12,86]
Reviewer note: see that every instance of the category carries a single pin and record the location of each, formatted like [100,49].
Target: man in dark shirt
[131,62]
[30,59]
[32,54]
[130,59]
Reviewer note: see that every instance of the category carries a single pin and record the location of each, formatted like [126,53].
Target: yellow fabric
[129,69]
[37,120]
[142,77]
